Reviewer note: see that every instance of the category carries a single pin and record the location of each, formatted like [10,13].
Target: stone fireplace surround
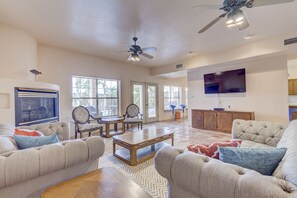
[7,96]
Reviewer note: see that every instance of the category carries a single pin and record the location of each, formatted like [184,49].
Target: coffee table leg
[133,156]
[172,140]
[116,126]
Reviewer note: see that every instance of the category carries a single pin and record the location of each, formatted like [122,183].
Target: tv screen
[225,82]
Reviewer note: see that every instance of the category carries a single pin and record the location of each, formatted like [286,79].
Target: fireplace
[35,106]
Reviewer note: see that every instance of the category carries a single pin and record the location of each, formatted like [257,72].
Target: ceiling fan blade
[146,55]
[116,52]
[257,3]
[149,49]
[207,6]
[212,23]
[244,25]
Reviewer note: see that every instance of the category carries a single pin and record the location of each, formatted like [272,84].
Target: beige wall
[18,54]
[182,82]
[58,66]
[250,50]
[266,84]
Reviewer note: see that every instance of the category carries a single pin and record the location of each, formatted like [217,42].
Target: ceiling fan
[136,51]
[235,16]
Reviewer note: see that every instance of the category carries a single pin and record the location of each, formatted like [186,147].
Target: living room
[67,40]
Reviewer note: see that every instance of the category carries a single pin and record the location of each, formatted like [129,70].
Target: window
[172,95]
[99,96]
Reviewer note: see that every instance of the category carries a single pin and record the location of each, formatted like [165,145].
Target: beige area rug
[145,174]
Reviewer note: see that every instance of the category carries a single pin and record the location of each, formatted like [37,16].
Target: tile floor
[184,134]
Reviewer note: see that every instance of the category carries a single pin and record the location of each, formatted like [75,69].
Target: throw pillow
[34,141]
[6,130]
[7,144]
[211,150]
[262,160]
[27,132]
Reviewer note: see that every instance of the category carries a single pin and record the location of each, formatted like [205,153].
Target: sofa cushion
[287,168]
[7,144]
[27,132]
[262,160]
[252,144]
[25,142]
[211,150]
[258,131]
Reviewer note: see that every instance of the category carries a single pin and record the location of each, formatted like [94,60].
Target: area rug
[145,175]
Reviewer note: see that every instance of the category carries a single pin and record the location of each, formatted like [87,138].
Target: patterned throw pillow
[262,160]
[211,150]
[25,142]
[27,132]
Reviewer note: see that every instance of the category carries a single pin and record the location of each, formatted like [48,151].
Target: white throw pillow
[7,144]
[6,130]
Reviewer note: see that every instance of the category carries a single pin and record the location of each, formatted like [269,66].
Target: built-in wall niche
[4,100]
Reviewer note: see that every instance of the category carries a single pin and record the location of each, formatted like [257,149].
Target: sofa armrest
[263,132]
[22,165]
[211,178]
[62,129]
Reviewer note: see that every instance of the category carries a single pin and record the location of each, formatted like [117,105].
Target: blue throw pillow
[262,160]
[25,142]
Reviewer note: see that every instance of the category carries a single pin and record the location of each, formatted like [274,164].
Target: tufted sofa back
[62,129]
[258,131]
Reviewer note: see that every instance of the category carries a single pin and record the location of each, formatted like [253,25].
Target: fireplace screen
[36,106]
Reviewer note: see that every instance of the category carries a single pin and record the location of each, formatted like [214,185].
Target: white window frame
[97,98]
[171,87]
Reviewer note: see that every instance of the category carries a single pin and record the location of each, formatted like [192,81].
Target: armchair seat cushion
[89,127]
[131,120]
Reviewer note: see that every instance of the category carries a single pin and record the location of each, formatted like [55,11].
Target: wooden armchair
[133,116]
[81,117]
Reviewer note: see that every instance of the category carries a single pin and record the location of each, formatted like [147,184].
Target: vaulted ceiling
[102,27]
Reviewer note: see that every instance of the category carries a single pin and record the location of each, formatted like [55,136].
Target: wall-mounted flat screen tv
[225,82]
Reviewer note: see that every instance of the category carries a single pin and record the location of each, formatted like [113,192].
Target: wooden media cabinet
[218,120]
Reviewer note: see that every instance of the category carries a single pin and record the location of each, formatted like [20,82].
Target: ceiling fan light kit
[235,16]
[136,51]
[134,57]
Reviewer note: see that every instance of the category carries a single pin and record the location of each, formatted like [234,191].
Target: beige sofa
[192,175]
[26,173]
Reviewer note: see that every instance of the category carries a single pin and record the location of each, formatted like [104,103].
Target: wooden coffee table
[102,183]
[141,145]
[115,121]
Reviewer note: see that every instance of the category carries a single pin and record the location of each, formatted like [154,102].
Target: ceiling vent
[290,41]
[179,66]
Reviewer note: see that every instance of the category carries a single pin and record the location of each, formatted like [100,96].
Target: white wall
[18,54]
[266,85]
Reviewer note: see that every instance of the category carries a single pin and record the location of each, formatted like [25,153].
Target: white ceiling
[101,27]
